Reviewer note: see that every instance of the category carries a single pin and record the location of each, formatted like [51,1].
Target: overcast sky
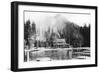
[46,18]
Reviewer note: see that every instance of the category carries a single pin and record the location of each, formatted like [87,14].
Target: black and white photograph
[53,36]
[50,36]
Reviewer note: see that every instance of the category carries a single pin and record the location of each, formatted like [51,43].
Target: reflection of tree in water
[52,54]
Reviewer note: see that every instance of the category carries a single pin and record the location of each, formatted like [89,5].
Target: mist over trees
[74,35]
[49,36]
[71,34]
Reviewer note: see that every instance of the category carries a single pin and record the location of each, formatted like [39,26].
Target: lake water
[58,54]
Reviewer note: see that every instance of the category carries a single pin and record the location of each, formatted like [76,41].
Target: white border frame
[22,64]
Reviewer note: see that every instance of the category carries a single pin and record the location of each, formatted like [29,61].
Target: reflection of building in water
[61,43]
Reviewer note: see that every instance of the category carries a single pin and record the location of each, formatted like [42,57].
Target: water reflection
[51,55]
[56,54]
